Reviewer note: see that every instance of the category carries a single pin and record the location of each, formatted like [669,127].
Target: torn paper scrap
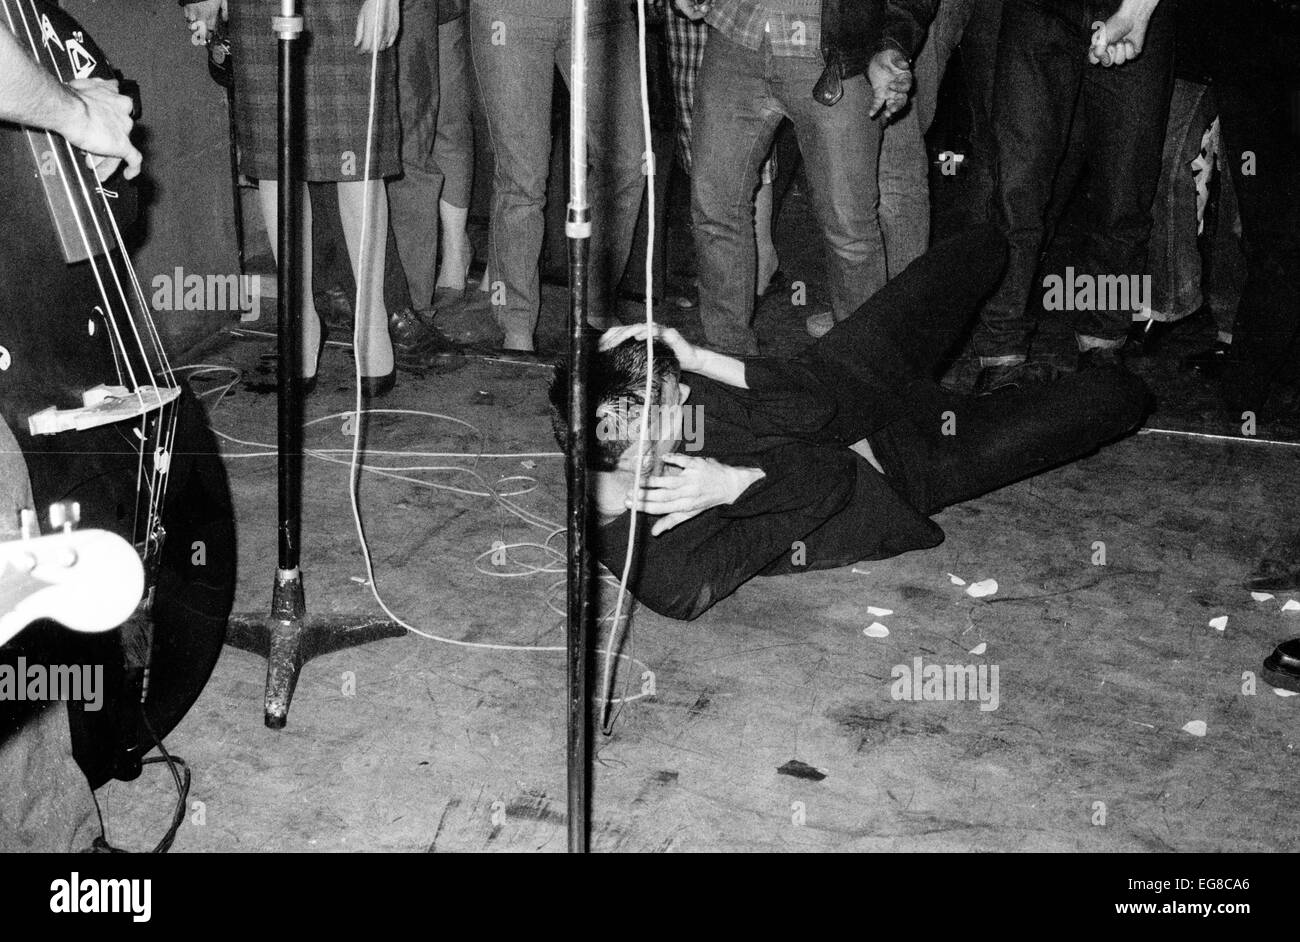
[876,630]
[1220,623]
[1261,596]
[980,648]
[1195,727]
[878,612]
[1291,606]
[977,590]
[956,580]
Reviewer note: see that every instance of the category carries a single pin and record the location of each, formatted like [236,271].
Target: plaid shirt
[794,27]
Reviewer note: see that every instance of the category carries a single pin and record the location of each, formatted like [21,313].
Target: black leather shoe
[1282,667]
[335,308]
[1101,358]
[1014,376]
[1209,363]
[376,387]
[411,330]
[309,382]
[1146,337]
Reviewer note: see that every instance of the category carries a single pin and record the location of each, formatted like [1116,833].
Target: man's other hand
[702,483]
[100,124]
[890,75]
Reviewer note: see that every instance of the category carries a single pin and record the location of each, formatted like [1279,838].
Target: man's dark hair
[617,381]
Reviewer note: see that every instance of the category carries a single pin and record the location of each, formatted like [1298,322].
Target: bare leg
[268,191]
[767,260]
[456,249]
[374,349]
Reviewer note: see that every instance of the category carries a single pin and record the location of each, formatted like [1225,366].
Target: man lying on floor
[838,455]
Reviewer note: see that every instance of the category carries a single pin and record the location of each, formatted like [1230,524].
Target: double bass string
[155,485]
[141,484]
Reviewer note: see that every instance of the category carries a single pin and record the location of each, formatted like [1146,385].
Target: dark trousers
[979,60]
[939,448]
[1254,121]
[1044,90]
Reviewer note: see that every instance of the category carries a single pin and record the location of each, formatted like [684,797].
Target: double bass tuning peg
[64,515]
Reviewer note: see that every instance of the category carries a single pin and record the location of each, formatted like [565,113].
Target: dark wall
[188,219]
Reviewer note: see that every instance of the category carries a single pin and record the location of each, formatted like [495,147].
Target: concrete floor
[772,725]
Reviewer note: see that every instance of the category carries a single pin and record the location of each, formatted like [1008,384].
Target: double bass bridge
[102,405]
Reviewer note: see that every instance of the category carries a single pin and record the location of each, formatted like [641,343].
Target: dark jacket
[1239,42]
[855,30]
[814,491]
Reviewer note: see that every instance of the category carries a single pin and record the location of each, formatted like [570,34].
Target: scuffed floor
[772,725]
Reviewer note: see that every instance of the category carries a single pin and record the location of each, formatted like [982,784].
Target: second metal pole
[580,642]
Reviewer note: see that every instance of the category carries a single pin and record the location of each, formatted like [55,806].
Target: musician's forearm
[28,94]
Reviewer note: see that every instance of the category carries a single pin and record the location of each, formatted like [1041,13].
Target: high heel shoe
[376,387]
[308,384]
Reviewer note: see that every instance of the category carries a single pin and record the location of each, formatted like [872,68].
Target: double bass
[104,422]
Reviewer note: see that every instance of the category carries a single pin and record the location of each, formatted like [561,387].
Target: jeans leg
[1265,170]
[514,65]
[616,152]
[904,191]
[904,162]
[413,203]
[1226,274]
[841,152]
[453,148]
[1173,258]
[1127,110]
[734,123]
[1038,77]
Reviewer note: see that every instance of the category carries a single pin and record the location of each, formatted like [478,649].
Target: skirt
[335,94]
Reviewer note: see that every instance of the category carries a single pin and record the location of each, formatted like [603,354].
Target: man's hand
[688,355]
[693,9]
[99,122]
[701,484]
[890,75]
[202,17]
[387,15]
[1121,37]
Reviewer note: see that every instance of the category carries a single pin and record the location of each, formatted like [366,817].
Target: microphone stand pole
[288,638]
[579,640]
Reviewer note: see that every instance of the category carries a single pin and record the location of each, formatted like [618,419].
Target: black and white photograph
[651,426]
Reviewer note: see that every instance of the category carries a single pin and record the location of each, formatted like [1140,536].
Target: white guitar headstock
[87,580]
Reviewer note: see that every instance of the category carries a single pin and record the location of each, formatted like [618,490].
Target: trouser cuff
[1087,343]
[1010,359]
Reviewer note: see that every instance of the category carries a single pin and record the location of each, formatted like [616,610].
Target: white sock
[457,252]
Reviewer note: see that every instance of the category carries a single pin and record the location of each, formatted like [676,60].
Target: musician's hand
[387,13]
[701,483]
[100,124]
[693,9]
[890,75]
[202,17]
[688,355]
